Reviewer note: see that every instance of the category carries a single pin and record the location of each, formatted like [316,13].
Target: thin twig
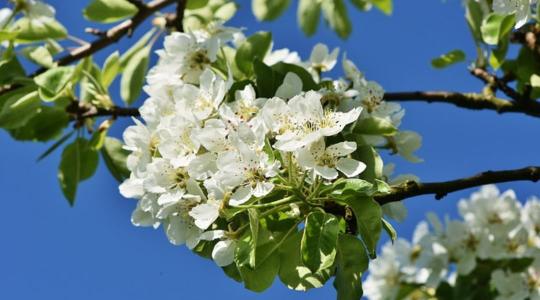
[180,8]
[497,83]
[467,100]
[441,189]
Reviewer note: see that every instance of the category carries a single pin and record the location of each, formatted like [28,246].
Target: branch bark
[441,189]
[468,100]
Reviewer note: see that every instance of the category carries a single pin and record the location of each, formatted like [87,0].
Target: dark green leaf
[307,80]
[351,262]
[318,246]
[115,158]
[55,146]
[19,109]
[308,15]
[79,162]
[47,124]
[254,47]
[133,77]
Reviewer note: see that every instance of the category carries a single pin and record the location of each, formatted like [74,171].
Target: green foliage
[318,245]
[133,76]
[448,59]
[368,216]
[255,47]
[79,162]
[115,157]
[267,10]
[47,124]
[109,11]
[335,13]
[375,126]
[19,107]
[52,82]
[309,13]
[30,30]
[111,68]
[495,26]
[351,262]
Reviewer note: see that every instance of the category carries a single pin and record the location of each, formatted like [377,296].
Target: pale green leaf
[448,59]
[133,77]
[267,10]
[308,16]
[108,11]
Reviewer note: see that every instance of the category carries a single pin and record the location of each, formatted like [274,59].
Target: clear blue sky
[51,251]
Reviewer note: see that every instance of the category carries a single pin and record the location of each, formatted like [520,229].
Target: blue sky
[91,251]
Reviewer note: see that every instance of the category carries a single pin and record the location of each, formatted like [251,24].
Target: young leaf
[33,30]
[108,11]
[111,67]
[335,13]
[368,215]
[140,44]
[133,77]
[41,56]
[267,10]
[495,26]
[386,6]
[308,15]
[53,81]
[351,262]
[18,109]
[254,226]
[196,4]
[318,246]
[448,59]
[373,161]
[115,158]
[10,69]
[79,162]
[375,126]
[255,46]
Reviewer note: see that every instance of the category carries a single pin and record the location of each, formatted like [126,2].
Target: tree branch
[179,20]
[497,83]
[467,100]
[112,35]
[441,189]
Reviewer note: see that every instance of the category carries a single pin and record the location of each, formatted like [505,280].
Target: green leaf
[111,68]
[390,230]
[262,276]
[10,69]
[368,215]
[351,186]
[335,12]
[226,11]
[40,56]
[33,30]
[448,59]
[351,262]
[292,271]
[495,26]
[375,126]
[47,124]
[386,6]
[267,10]
[79,162]
[108,11]
[318,245]
[136,48]
[308,15]
[474,15]
[53,81]
[307,80]
[373,161]
[115,158]
[267,80]
[19,109]
[195,4]
[255,46]
[133,77]
[363,5]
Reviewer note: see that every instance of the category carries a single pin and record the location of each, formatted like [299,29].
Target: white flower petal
[223,252]
[350,167]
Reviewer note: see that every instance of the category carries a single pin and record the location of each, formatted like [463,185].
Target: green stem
[270,204]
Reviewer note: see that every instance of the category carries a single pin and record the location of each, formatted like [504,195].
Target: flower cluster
[208,145]
[497,244]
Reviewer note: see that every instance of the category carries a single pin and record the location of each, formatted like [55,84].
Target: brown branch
[497,83]
[179,22]
[112,35]
[441,189]
[80,110]
[467,100]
